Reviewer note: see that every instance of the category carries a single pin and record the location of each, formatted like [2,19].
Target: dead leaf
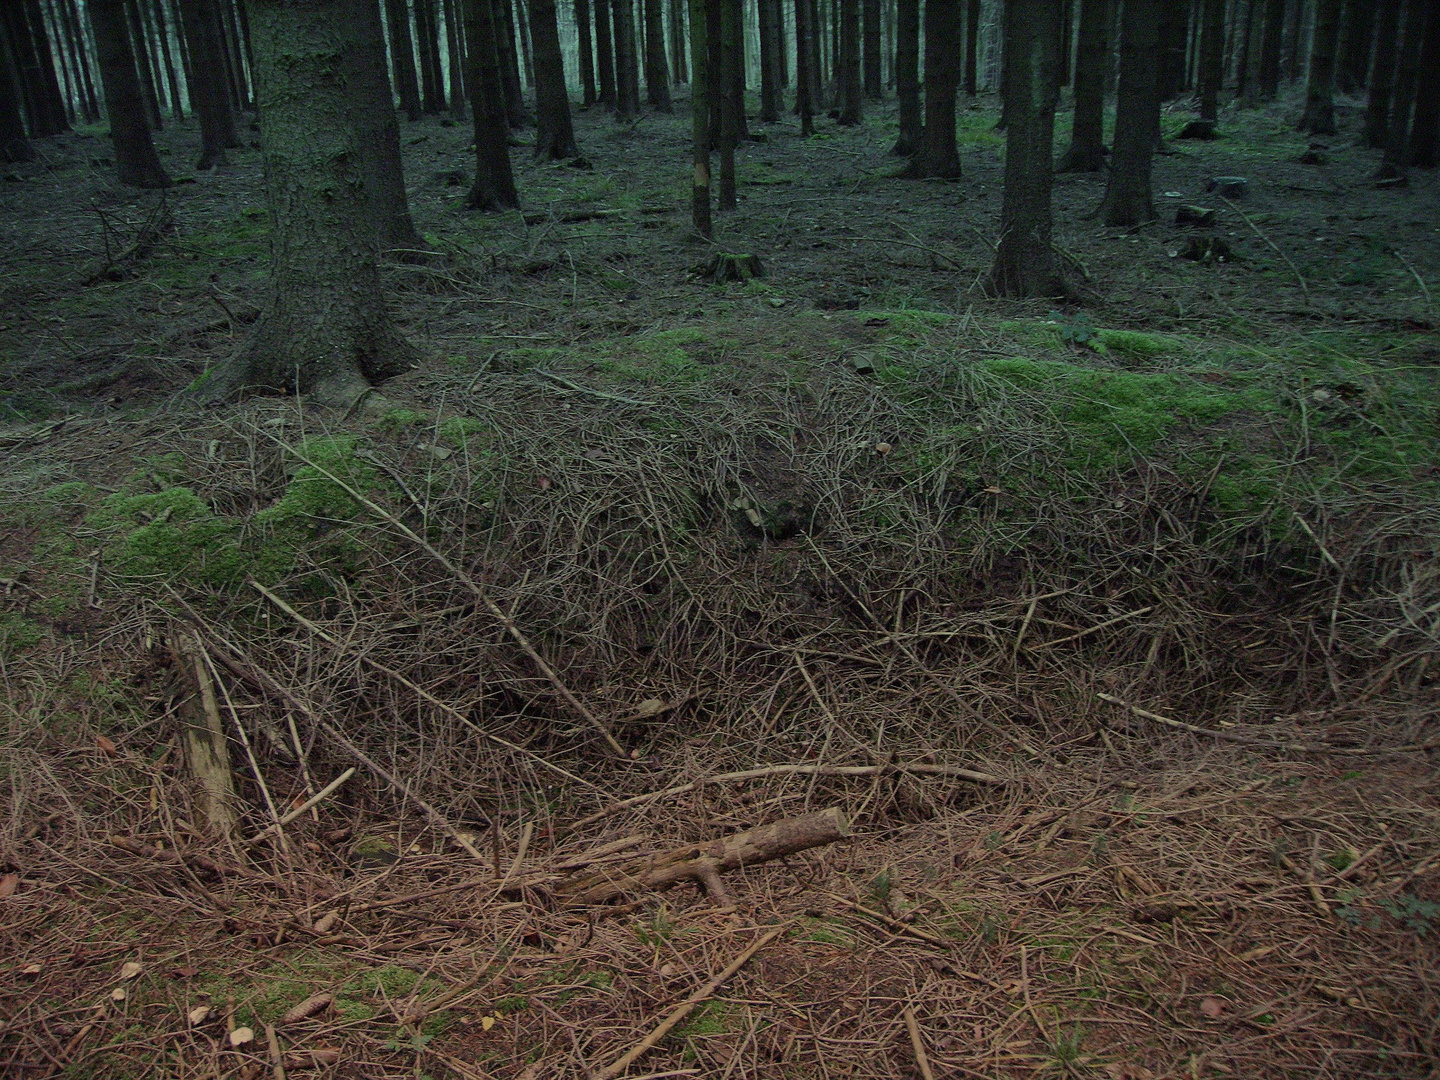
[992,490]
[882,448]
[240,1036]
[312,1059]
[1257,953]
[326,922]
[649,707]
[315,1003]
[130,969]
[198,1015]
[184,972]
[31,970]
[1212,1007]
[8,884]
[107,746]
[487,1022]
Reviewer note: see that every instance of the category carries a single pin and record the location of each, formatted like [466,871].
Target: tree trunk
[1087,137]
[14,147]
[208,95]
[64,61]
[731,105]
[1352,64]
[972,47]
[1425,127]
[870,16]
[167,60]
[1407,81]
[455,57]
[522,35]
[936,154]
[89,103]
[1212,60]
[1137,117]
[907,74]
[1319,116]
[378,130]
[508,47]
[657,68]
[494,187]
[605,53]
[704,862]
[149,94]
[235,62]
[700,118]
[770,45]
[554,129]
[1382,75]
[804,68]
[427,37]
[206,749]
[402,56]
[586,47]
[138,164]
[852,89]
[627,66]
[1173,33]
[324,332]
[30,40]
[1024,258]
[679,45]
[1270,42]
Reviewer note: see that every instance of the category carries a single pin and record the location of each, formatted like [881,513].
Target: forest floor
[850,515]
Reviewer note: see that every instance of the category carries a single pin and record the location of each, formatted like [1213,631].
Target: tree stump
[732,267]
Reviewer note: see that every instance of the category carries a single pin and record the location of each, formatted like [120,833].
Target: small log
[705,862]
[206,749]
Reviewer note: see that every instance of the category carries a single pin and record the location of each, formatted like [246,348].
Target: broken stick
[706,861]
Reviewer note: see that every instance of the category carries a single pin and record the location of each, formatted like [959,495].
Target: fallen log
[705,862]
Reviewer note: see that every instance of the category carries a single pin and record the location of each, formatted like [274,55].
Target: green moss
[398,420]
[18,634]
[172,535]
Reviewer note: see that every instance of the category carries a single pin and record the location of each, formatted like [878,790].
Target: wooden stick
[1093,629]
[314,800]
[1182,726]
[921,1058]
[277,1060]
[686,1007]
[475,590]
[894,924]
[918,769]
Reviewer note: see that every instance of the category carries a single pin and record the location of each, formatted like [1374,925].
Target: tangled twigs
[474,588]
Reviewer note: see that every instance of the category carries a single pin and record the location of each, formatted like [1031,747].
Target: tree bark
[937,154]
[402,56]
[161,31]
[1212,59]
[586,47]
[1025,258]
[679,69]
[1425,126]
[432,83]
[1407,81]
[627,66]
[700,118]
[378,131]
[89,103]
[972,47]
[605,53]
[1357,23]
[455,55]
[206,749]
[324,331]
[907,75]
[1173,32]
[1271,38]
[731,104]
[1319,116]
[510,64]
[870,16]
[770,45]
[41,85]
[235,51]
[805,79]
[1382,75]
[657,68]
[852,89]
[703,862]
[149,94]
[554,129]
[1087,136]
[494,186]
[135,157]
[208,95]
[14,146]
[1137,117]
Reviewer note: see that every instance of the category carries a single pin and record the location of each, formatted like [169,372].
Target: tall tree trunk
[1212,59]
[1382,75]
[50,116]
[402,56]
[149,92]
[235,62]
[657,69]
[870,16]
[494,186]
[732,107]
[508,48]
[377,130]
[324,331]
[89,103]
[1241,33]
[679,69]
[14,146]
[627,66]
[432,83]
[1319,116]
[554,129]
[586,48]
[770,51]
[161,30]
[972,47]
[1352,62]
[1128,198]
[455,55]
[208,96]
[1024,258]
[700,118]
[65,62]
[1270,42]
[735,44]
[805,67]
[1407,80]
[522,34]
[1291,60]
[907,74]
[852,89]
[1173,29]
[937,155]
[605,53]
[135,157]
[1425,126]
[1087,136]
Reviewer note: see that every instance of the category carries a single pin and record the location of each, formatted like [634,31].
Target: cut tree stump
[705,862]
[732,267]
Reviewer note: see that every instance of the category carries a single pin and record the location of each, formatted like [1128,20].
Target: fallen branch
[314,800]
[1228,736]
[686,1007]
[705,862]
[918,769]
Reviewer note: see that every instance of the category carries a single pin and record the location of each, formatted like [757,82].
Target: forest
[548,539]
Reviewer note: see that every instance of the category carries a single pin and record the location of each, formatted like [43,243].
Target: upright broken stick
[705,862]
